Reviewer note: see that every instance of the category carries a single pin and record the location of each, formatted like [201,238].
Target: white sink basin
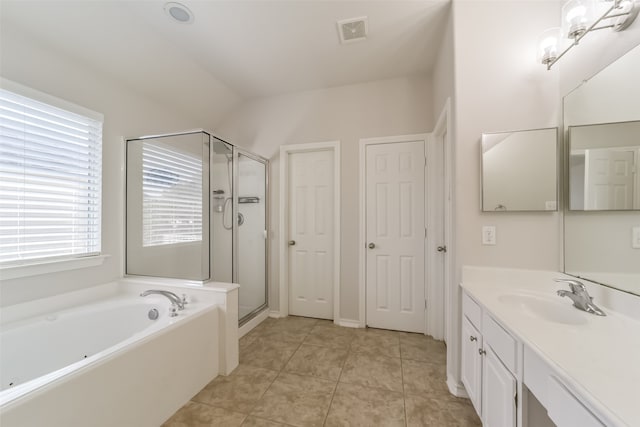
[545,308]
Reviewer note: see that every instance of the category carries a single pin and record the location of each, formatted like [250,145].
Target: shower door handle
[292,242]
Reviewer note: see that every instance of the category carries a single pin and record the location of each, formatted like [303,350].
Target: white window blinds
[50,181]
[171,195]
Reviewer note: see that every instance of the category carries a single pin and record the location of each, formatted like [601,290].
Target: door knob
[372,245]
[292,242]
[441,249]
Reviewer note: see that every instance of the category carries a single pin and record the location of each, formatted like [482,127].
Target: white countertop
[599,359]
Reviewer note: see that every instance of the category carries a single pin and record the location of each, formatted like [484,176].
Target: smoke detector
[178,12]
[353,30]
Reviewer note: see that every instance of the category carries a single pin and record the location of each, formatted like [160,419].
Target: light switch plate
[488,235]
[635,237]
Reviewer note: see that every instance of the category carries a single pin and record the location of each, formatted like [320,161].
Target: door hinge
[425,232]
[425,161]
[515,398]
[425,304]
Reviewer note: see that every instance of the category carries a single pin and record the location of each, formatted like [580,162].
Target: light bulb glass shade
[577,16]
[548,45]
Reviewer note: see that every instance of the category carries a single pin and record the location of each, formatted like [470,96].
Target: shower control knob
[292,242]
[372,245]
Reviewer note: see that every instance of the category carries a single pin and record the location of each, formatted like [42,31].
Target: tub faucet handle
[173,310]
[184,299]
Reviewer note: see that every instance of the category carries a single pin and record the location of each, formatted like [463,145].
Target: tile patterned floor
[307,372]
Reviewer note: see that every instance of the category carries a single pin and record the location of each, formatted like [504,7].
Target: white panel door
[395,236]
[310,219]
[608,179]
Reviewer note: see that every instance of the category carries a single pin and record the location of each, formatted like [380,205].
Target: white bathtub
[95,358]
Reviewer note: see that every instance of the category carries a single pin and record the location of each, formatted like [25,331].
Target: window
[50,180]
[171,195]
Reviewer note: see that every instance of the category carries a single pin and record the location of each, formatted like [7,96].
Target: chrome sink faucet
[176,302]
[580,297]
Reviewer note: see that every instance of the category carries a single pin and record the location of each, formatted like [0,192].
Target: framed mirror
[520,170]
[601,230]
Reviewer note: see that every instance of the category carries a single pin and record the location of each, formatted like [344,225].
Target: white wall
[346,113]
[444,70]
[499,86]
[126,114]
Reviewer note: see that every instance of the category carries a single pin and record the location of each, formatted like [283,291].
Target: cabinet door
[498,393]
[472,363]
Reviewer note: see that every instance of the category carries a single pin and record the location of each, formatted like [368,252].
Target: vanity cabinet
[472,362]
[498,392]
[488,366]
[569,368]
[563,406]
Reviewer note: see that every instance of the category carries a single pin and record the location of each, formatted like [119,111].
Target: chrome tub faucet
[580,297]
[177,303]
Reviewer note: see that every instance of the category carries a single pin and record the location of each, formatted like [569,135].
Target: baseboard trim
[275,314]
[456,388]
[348,323]
[247,327]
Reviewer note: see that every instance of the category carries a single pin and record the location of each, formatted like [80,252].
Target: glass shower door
[168,206]
[251,236]
[221,211]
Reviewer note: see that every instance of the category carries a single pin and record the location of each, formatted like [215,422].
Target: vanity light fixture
[579,18]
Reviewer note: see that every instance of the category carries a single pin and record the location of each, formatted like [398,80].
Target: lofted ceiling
[236,49]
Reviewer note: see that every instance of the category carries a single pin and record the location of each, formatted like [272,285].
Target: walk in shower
[196,209]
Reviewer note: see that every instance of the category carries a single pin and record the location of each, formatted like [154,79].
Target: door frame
[362,239]
[439,318]
[285,150]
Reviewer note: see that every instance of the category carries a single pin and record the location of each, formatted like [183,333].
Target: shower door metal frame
[125,158]
[236,152]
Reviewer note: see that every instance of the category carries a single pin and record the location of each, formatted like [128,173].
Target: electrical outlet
[635,237]
[489,235]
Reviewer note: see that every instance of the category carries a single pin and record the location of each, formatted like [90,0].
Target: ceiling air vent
[352,30]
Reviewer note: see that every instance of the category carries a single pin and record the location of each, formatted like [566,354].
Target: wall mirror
[602,125]
[520,170]
[603,166]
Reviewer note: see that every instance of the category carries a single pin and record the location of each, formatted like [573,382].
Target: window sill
[27,270]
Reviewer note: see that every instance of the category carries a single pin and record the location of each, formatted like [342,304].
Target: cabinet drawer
[565,410]
[503,344]
[472,310]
